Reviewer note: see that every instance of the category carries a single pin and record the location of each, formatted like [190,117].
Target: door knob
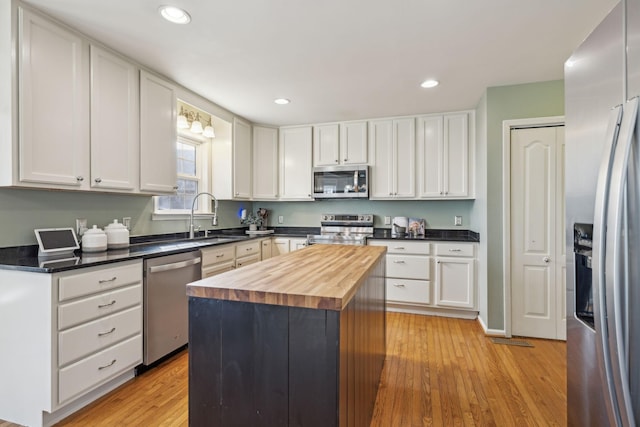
[546,259]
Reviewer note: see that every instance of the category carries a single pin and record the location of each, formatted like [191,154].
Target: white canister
[117,235]
[94,240]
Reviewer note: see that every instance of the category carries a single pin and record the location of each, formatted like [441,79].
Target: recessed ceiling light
[281,101]
[430,83]
[175,14]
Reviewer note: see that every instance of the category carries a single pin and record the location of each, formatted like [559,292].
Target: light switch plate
[280,219]
[387,220]
[457,220]
[126,221]
[81,226]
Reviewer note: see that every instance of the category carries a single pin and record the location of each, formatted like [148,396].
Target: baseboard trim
[491,332]
[443,312]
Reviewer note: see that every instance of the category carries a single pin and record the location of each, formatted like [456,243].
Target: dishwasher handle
[174,265]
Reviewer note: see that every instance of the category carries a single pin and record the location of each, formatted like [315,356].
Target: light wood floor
[438,372]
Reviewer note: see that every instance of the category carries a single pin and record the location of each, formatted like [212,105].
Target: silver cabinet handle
[398,262]
[398,285]
[399,248]
[101,334]
[113,279]
[455,250]
[107,305]
[546,259]
[248,249]
[346,160]
[219,256]
[79,178]
[113,362]
[98,180]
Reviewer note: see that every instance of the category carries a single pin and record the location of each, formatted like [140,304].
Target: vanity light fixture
[196,125]
[175,14]
[429,83]
[183,123]
[208,131]
[282,101]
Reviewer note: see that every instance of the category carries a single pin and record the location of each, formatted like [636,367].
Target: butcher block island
[295,340]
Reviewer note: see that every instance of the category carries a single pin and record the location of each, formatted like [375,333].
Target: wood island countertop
[319,276]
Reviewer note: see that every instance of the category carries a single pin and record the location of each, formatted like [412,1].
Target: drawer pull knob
[101,334]
[107,305]
[219,256]
[113,362]
[398,285]
[248,249]
[398,262]
[113,279]
[455,250]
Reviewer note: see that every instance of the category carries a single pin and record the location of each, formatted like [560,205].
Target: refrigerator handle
[616,281]
[599,257]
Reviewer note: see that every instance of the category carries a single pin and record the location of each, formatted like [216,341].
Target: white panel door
[381,149]
[295,151]
[115,130]
[537,232]
[53,70]
[353,143]
[326,143]
[456,155]
[455,282]
[241,159]
[405,158]
[430,145]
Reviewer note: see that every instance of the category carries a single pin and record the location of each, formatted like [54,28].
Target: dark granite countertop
[25,258]
[431,234]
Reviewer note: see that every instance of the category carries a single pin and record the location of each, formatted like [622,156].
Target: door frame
[507,127]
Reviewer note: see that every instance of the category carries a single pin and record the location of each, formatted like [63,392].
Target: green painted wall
[21,211]
[543,99]
[439,214]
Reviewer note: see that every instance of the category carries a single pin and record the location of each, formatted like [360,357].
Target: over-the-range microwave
[341,182]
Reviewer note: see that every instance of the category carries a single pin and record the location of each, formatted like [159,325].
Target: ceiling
[341,59]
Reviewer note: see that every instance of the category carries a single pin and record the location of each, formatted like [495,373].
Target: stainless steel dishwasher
[166,320]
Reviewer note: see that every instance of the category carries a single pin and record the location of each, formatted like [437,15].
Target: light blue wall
[543,99]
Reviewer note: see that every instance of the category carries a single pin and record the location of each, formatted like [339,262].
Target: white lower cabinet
[266,248]
[247,253]
[413,288]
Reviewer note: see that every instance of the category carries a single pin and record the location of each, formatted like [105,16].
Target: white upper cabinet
[326,145]
[295,153]
[241,159]
[392,148]
[53,104]
[114,122]
[265,163]
[340,144]
[444,156]
[158,134]
[353,143]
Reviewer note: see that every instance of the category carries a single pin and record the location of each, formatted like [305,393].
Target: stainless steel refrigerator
[602,83]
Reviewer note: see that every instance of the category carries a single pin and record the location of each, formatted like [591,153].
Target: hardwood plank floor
[438,372]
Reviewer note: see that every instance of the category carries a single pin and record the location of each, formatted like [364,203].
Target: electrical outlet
[457,220]
[387,220]
[126,221]
[81,226]
[280,219]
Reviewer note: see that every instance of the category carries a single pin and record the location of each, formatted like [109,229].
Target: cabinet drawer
[98,368]
[408,266]
[241,262]
[248,248]
[218,268]
[217,255]
[98,280]
[403,246]
[413,291]
[76,312]
[90,337]
[455,249]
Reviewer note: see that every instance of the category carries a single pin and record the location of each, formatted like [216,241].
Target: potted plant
[252,220]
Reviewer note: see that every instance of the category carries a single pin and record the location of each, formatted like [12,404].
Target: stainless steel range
[343,229]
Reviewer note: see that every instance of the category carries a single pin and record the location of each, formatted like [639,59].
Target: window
[191,166]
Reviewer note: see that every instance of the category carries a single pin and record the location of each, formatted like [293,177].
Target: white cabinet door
[326,143]
[430,145]
[241,159]
[353,143]
[53,104]
[392,146]
[444,156]
[404,133]
[158,135]
[265,163]
[381,148]
[295,151]
[297,244]
[266,249]
[280,246]
[114,122]
[455,282]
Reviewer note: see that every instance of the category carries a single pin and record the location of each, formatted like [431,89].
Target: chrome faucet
[193,204]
